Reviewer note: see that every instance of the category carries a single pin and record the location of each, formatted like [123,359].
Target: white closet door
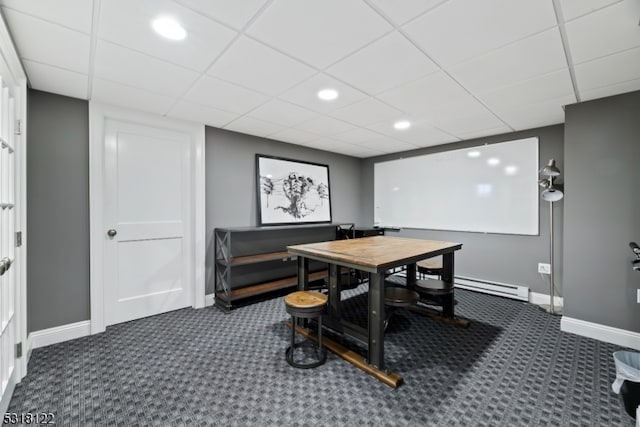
[147,213]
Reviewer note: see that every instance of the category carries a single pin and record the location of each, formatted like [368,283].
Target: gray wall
[600,145]
[230,181]
[58,210]
[503,258]
[602,210]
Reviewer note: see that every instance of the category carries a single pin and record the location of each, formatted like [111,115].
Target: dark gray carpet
[512,367]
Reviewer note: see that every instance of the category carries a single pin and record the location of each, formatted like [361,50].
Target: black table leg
[448,276]
[411,275]
[376,320]
[334,292]
[303,273]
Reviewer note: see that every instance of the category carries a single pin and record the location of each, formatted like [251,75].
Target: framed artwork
[292,191]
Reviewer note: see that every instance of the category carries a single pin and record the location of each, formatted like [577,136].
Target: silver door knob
[111,232]
[5,264]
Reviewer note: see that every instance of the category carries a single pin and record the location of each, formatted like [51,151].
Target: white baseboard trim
[209,300]
[599,332]
[59,334]
[540,299]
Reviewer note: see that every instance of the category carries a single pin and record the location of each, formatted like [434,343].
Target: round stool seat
[430,266]
[306,305]
[434,287]
[398,296]
[305,299]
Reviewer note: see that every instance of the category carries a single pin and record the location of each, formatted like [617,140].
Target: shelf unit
[253,261]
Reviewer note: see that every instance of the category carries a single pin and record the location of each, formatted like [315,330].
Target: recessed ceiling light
[402,124]
[328,94]
[494,161]
[473,154]
[169,28]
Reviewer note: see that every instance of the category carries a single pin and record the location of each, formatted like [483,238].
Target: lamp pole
[551,305]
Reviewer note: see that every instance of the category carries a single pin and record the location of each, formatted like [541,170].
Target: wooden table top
[374,252]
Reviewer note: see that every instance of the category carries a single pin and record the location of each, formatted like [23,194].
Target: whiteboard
[489,188]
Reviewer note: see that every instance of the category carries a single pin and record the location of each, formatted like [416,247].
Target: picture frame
[292,191]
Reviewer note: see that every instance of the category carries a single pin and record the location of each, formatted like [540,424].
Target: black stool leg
[293,340]
[321,351]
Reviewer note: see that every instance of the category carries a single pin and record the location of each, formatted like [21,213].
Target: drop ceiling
[456,69]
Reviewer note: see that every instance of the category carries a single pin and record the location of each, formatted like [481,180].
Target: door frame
[98,113]
[12,71]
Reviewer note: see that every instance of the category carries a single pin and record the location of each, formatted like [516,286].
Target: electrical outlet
[638,297]
[544,268]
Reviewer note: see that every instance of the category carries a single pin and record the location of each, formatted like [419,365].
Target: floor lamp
[551,194]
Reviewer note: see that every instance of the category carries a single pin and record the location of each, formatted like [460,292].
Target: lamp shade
[551,169]
[552,195]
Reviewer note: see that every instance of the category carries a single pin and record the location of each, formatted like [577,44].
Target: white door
[8,270]
[147,211]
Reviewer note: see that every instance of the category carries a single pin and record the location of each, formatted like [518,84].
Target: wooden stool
[398,297]
[437,292]
[306,305]
[430,267]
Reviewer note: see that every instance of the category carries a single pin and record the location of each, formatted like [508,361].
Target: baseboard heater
[486,286]
[493,288]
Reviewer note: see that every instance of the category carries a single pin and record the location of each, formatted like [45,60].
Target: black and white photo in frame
[292,191]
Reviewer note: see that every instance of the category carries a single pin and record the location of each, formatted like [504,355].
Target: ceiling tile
[550,86]
[325,126]
[356,151]
[74,14]
[516,62]
[421,133]
[401,11]
[325,144]
[606,31]
[484,132]
[47,43]
[201,114]
[384,64]
[252,126]
[466,117]
[460,30]
[426,96]
[128,23]
[609,70]
[131,68]
[232,12]
[56,80]
[306,94]
[282,113]
[356,136]
[365,112]
[129,97]
[532,115]
[386,145]
[318,32]
[572,9]
[616,89]
[225,96]
[258,67]
[294,136]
